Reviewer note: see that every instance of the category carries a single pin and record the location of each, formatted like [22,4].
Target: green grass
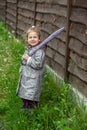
[56,110]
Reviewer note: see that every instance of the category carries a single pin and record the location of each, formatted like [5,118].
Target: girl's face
[33,38]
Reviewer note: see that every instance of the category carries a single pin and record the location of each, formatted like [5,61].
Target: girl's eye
[32,37]
[29,37]
[35,37]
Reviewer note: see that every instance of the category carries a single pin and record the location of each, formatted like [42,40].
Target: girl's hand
[26,56]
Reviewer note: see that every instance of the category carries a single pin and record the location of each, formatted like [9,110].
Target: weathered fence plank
[75,70]
[11,11]
[78,47]
[78,84]
[79,61]
[11,6]
[58,46]
[79,14]
[80,3]
[26,5]
[2,9]
[54,9]
[59,2]
[55,66]
[11,25]
[25,13]
[12,1]
[78,31]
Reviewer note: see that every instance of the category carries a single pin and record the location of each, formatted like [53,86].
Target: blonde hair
[35,29]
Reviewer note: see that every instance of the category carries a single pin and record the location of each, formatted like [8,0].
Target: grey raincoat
[31,76]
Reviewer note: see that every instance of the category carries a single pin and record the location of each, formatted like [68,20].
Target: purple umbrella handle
[53,35]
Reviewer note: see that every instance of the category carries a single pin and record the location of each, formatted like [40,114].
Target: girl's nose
[32,38]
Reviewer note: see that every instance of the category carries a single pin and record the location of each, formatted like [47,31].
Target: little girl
[31,71]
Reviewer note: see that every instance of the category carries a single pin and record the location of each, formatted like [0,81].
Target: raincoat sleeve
[36,61]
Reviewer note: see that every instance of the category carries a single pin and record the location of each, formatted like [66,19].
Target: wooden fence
[66,54]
